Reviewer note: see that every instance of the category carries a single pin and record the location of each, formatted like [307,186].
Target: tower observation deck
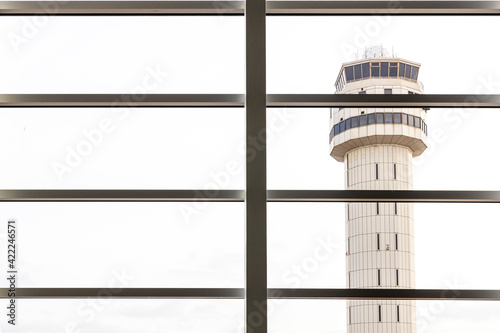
[377,146]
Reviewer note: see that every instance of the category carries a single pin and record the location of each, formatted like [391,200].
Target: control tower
[377,146]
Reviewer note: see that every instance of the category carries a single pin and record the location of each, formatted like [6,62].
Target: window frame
[255,14]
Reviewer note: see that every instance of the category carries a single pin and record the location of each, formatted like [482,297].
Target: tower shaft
[380,238]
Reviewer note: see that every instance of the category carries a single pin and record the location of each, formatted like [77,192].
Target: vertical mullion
[256,194]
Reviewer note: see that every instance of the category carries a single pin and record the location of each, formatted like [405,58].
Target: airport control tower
[377,146]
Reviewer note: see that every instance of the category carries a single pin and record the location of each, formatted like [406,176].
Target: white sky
[85,244]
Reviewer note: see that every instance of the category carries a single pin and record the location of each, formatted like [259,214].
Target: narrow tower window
[378,277]
[387,91]
[376,171]
[378,209]
[394,170]
[397,313]
[405,119]
[348,214]
[396,241]
[397,277]
[378,243]
[363,120]
[384,69]
[350,316]
[371,118]
[396,208]
[366,70]
[380,313]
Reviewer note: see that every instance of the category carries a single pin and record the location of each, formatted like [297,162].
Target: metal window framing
[237,8]
[255,100]
[272,293]
[256,185]
[239,196]
[238,100]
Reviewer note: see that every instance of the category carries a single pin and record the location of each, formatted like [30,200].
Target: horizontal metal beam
[383,7]
[122,195]
[237,7]
[121,7]
[177,293]
[122,100]
[239,195]
[388,294]
[237,100]
[238,293]
[383,196]
[389,100]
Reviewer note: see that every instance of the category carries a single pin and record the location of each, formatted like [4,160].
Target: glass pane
[388,118]
[127,315]
[408,71]
[355,121]
[464,270]
[384,69]
[155,148]
[401,69]
[177,245]
[322,245]
[453,135]
[317,260]
[375,70]
[366,70]
[294,41]
[307,316]
[357,72]
[380,118]
[362,120]
[371,119]
[349,73]
[327,316]
[417,122]
[122,54]
[411,120]
[393,71]
[414,73]
[301,148]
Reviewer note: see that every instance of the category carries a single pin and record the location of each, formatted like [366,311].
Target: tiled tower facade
[377,146]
